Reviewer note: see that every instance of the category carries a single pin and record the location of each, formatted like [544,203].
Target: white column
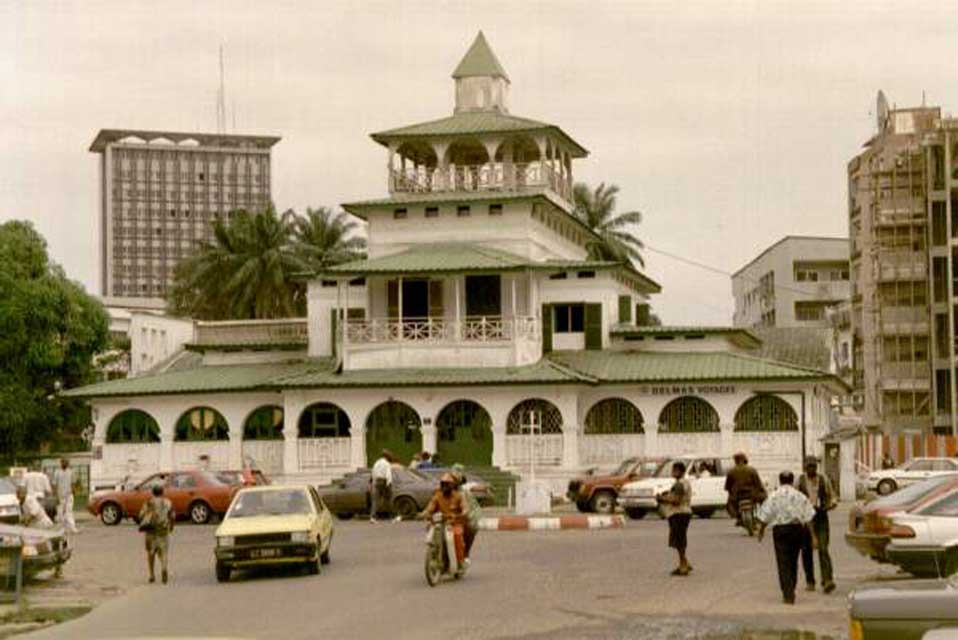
[166,446]
[513,310]
[292,408]
[357,442]
[430,441]
[459,331]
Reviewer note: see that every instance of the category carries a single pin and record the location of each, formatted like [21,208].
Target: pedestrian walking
[676,505]
[63,483]
[788,512]
[382,487]
[819,491]
[156,521]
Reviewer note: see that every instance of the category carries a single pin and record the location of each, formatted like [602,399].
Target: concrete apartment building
[792,283]
[160,192]
[903,199]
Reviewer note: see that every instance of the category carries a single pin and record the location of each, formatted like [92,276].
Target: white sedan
[924,542]
[915,470]
[706,475]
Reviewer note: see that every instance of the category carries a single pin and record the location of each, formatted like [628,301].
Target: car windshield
[230,477]
[283,502]
[911,493]
[211,478]
[625,467]
[412,474]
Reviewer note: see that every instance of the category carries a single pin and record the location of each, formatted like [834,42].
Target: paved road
[567,584]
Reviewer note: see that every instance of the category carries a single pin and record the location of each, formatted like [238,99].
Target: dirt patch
[34,618]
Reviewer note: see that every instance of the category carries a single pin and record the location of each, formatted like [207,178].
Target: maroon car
[198,495]
[598,493]
[869,526]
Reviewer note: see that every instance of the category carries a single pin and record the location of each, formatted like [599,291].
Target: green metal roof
[455,197]
[740,336]
[480,61]
[648,367]
[476,122]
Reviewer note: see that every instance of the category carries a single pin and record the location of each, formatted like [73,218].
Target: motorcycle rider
[475,511]
[743,483]
[448,501]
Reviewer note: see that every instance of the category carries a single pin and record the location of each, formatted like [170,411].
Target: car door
[134,499]
[180,489]
[707,485]
[915,471]
[323,520]
[943,520]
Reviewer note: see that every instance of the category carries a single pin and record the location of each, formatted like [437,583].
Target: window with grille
[613,416]
[766,413]
[266,423]
[132,426]
[688,414]
[545,415]
[200,424]
[324,420]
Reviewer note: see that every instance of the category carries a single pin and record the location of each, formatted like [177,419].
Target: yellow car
[274,525]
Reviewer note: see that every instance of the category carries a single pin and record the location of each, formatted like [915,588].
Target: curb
[553,523]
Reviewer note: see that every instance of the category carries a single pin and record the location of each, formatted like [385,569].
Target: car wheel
[704,513]
[405,507]
[635,513]
[345,515]
[200,512]
[111,514]
[582,506]
[315,566]
[223,572]
[886,486]
[603,502]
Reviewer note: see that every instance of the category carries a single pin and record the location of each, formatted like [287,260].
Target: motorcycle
[746,514]
[441,552]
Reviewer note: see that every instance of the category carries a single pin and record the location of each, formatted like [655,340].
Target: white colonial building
[479,327]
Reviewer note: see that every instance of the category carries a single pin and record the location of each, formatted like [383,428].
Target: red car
[869,526]
[598,493]
[195,494]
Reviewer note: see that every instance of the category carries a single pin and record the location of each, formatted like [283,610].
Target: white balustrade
[493,176]
[320,453]
[546,448]
[442,330]
[186,455]
[610,449]
[265,455]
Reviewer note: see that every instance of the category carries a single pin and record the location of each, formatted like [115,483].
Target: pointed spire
[480,61]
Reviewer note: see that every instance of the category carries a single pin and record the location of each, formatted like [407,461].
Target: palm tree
[244,273]
[324,238]
[597,210]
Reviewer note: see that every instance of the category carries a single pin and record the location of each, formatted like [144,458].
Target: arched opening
[469,162]
[132,426]
[688,414]
[534,411]
[464,431]
[613,416]
[323,420]
[201,424]
[395,426]
[766,413]
[521,152]
[266,423]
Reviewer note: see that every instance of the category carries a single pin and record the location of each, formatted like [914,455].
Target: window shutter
[392,299]
[546,328]
[332,331]
[435,299]
[593,326]
[625,309]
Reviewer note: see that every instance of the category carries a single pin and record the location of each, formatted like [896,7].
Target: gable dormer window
[399,214]
[463,211]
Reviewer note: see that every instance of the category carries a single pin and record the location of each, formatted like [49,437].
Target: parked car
[481,489]
[244,477]
[43,549]
[706,475]
[598,493]
[9,505]
[885,481]
[869,524]
[274,525]
[198,495]
[924,541]
[906,610]
[350,495]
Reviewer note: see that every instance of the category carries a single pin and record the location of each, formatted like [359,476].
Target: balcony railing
[252,332]
[485,177]
[438,330]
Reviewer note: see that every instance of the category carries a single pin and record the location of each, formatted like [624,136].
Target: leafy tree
[325,238]
[246,272]
[596,208]
[50,329]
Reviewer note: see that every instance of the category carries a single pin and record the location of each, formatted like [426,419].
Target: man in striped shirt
[788,511]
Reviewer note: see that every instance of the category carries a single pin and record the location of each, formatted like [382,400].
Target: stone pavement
[568,584]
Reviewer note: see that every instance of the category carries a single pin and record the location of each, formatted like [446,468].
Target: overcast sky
[728,124]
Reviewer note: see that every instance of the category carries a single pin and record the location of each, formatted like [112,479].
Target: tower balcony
[491,176]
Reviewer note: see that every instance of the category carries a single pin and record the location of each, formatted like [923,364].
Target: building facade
[478,327]
[792,283]
[903,190]
[160,193]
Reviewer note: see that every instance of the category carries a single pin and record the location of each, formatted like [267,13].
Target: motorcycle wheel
[433,566]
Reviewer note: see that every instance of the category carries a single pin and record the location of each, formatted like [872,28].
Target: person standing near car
[788,512]
[887,462]
[63,481]
[32,513]
[156,522]
[818,489]
[677,509]
[382,487]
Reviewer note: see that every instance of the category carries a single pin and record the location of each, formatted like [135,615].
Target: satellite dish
[882,110]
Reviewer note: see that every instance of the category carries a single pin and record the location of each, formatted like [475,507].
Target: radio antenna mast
[221,99]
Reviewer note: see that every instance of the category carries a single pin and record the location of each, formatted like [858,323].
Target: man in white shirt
[31,511]
[789,512]
[63,479]
[37,484]
[382,486]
